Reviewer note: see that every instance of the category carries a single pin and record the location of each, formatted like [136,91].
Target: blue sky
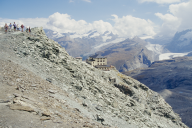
[126,18]
[79,9]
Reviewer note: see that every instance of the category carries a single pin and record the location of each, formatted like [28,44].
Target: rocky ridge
[55,88]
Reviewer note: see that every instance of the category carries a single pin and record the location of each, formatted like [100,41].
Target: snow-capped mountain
[181,42]
[91,42]
[106,36]
[156,49]
[167,48]
[81,44]
[53,34]
[128,54]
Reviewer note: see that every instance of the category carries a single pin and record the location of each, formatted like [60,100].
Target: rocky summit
[42,86]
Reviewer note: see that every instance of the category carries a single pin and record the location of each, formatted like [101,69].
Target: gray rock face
[172,79]
[141,60]
[85,89]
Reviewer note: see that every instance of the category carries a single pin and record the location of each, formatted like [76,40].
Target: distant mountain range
[181,42]
[128,54]
[78,45]
[124,54]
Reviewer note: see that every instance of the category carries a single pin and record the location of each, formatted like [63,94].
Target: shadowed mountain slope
[172,79]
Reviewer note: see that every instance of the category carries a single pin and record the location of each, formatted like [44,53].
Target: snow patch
[110,42]
[79,35]
[146,37]
[157,48]
[106,37]
[94,35]
[57,34]
[166,56]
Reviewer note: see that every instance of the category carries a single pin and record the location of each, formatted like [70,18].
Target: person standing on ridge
[15,26]
[6,27]
[22,26]
[29,29]
[10,27]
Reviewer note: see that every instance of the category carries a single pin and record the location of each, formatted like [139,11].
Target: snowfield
[57,35]
[157,48]
[163,55]
[146,37]
[166,56]
[110,42]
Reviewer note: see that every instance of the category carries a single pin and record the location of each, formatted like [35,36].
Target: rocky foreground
[172,80]
[42,86]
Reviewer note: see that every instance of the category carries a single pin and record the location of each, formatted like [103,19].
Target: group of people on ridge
[16,27]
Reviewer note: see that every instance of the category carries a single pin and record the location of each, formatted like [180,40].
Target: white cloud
[178,19]
[102,26]
[170,24]
[160,1]
[183,11]
[129,26]
[87,1]
[64,23]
